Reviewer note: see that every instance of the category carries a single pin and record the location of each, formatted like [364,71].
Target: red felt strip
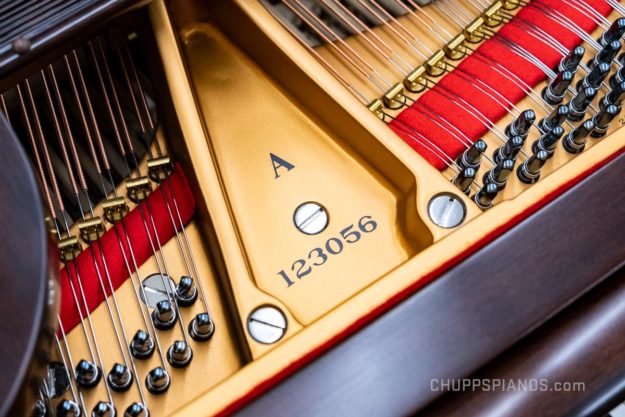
[112,253]
[454,91]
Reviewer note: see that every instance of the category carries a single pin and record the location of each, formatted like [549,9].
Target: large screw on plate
[446,210]
[266,324]
[311,218]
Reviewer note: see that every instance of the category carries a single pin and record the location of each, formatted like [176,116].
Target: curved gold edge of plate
[404,280]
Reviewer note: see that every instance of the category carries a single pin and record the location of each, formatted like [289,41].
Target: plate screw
[446,210]
[155,291]
[266,324]
[21,45]
[311,218]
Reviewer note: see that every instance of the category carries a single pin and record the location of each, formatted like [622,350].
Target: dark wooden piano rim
[469,315]
[23,270]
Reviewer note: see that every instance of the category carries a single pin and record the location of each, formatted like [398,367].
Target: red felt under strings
[112,253]
[440,99]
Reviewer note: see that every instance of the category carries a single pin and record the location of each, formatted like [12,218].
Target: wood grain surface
[23,275]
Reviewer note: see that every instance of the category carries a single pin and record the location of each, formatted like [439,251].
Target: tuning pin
[603,119]
[464,180]
[67,408]
[595,77]
[606,55]
[186,293]
[179,354]
[103,409]
[529,172]
[164,315]
[499,174]
[484,198]
[136,410]
[572,60]
[556,90]
[616,97]
[578,106]
[614,33]
[142,345]
[87,374]
[522,125]
[510,149]
[618,77]
[575,141]
[555,119]
[157,381]
[119,378]
[202,327]
[548,141]
[472,157]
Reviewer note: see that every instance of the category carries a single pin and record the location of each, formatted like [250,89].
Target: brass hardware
[433,65]
[453,49]
[160,169]
[472,32]
[511,4]
[69,248]
[138,189]
[376,108]
[415,82]
[91,229]
[115,209]
[490,14]
[394,98]
[50,225]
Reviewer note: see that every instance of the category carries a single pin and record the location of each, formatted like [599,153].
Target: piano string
[339,27]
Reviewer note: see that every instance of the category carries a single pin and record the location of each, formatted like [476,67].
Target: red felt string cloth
[442,98]
[110,248]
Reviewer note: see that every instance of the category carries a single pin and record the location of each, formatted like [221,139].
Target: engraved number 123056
[332,247]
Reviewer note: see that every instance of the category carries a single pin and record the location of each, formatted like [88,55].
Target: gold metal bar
[472,32]
[415,82]
[69,248]
[490,14]
[394,98]
[138,189]
[160,168]
[453,49]
[91,229]
[376,108]
[115,209]
[436,66]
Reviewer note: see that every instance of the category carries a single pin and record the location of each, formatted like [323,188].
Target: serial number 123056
[333,246]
